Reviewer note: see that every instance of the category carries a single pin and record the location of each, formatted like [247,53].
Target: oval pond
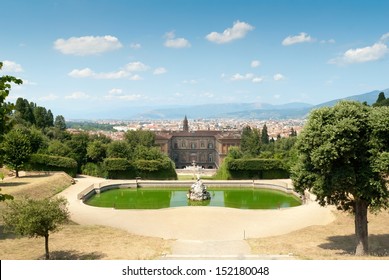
[157,198]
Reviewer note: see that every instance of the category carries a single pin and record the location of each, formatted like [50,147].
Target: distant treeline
[89,126]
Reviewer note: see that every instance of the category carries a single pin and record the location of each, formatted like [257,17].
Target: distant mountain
[262,111]
[370,98]
[229,110]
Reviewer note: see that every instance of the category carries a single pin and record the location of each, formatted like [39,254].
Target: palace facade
[205,148]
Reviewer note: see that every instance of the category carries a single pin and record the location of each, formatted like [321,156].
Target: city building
[204,148]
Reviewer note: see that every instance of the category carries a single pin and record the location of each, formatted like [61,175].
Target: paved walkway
[192,226]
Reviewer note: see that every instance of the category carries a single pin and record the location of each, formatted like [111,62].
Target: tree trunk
[361,232]
[17,173]
[47,247]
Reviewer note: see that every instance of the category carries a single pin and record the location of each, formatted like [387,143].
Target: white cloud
[301,38]
[130,97]
[257,80]
[11,66]
[330,41]
[207,94]
[115,91]
[136,77]
[128,71]
[159,71]
[360,55]
[49,97]
[384,38]
[135,46]
[88,73]
[240,77]
[255,63]
[28,83]
[112,75]
[173,42]
[246,77]
[278,77]
[136,66]
[77,95]
[87,45]
[237,31]
[81,73]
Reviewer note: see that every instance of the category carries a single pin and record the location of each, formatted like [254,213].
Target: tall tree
[344,160]
[60,123]
[264,135]
[17,149]
[381,97]
[140,137]
[250,143]
[381,100]
[24,110]
[36,218]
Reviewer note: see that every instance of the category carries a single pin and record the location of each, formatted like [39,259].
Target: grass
[332,241]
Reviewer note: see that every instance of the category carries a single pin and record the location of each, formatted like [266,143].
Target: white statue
[198,191]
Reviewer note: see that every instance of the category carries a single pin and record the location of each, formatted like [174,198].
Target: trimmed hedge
[120,168]
[257,168]
[156,169]
[43,162]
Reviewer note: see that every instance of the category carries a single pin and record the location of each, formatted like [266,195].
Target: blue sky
[85,58]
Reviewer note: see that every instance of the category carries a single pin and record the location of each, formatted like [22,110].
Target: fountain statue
[198,191]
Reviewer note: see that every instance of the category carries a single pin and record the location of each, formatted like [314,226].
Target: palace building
[205,148]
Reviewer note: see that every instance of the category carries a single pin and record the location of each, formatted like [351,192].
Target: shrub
[119,168]
[43,162]
[255,168]
[156,169]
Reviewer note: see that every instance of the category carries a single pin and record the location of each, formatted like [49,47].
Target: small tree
[17,149]
[36,218]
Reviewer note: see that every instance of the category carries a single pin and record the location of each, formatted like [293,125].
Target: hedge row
[256,169]
[255,164]
[119,168]
[42,162]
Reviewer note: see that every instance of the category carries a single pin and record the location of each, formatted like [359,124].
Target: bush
[255,168]
[43,162]
[156,169]
[119,168]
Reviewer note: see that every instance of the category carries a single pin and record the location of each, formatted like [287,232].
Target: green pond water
[157,198]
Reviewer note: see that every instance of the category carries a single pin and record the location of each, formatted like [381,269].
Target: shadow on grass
[12,184]
[74,255]
[378,244]
[4,234]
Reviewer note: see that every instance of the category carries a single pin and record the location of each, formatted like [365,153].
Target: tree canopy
[6,108]
[344,161]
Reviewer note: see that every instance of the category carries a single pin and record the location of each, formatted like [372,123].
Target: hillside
[249,110]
